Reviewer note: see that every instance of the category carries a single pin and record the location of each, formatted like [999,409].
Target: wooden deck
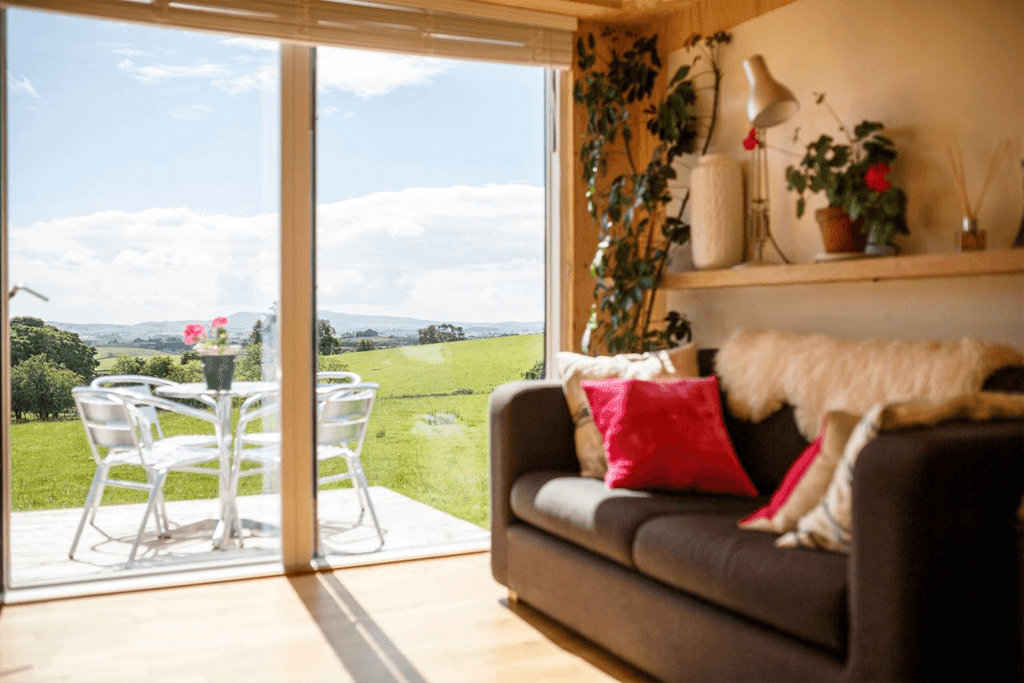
[40,539]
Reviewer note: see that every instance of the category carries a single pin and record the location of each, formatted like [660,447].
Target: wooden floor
[40,539]
[440,620]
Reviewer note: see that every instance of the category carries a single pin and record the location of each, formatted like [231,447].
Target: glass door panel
[143,170]
[430,288]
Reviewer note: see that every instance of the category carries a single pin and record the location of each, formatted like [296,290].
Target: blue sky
[144,179]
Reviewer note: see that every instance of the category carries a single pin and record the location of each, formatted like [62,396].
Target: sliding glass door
[430,286]
[143,197]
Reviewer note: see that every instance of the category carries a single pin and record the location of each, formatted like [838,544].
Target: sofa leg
[513,597]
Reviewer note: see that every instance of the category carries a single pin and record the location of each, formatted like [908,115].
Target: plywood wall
[935,72]
[701,16]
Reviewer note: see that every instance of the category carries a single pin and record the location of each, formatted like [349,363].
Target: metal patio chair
[343,414]
[143,385]
[117,433]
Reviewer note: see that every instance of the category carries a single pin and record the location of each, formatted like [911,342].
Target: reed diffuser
[970,237]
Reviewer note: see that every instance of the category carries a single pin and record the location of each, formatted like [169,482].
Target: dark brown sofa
[666,581]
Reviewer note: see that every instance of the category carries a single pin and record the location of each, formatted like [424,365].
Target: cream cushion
[829,525]
[574,368]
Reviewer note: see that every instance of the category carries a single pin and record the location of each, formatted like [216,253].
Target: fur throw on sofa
[760,371]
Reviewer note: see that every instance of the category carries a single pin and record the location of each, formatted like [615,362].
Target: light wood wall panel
[700,16]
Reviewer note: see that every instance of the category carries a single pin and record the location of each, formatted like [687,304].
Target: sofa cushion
[583,511]
[666,435]
[800,592]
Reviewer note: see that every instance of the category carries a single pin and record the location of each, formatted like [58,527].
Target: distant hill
[239,325]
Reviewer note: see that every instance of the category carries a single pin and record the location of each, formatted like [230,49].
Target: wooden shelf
[1002,262]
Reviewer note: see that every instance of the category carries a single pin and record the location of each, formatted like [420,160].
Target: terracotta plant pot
[840,235]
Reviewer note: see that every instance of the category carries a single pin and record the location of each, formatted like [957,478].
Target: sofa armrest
[935,567]
[531,429]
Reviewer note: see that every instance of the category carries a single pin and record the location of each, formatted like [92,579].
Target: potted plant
[627,177]
[853,175]
[215,352]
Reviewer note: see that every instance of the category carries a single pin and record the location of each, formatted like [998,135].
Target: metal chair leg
[96,484]
[361,483]
[154,493]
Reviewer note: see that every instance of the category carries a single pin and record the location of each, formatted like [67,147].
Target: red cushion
[793,476]
[666,435]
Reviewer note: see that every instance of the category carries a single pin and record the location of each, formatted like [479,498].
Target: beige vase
[716,212]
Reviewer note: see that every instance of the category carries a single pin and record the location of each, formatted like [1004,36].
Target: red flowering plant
[854,177]
[216,342]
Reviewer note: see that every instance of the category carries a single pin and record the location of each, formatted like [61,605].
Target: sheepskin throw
[830,524]
[817,374]
[573,368]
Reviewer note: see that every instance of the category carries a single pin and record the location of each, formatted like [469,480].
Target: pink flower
[194,333]
[874,178]
[219,322]
[751,140]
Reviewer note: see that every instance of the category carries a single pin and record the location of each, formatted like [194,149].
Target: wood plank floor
[40,539]
[440,620]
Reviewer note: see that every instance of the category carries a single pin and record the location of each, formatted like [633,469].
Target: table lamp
[770,104]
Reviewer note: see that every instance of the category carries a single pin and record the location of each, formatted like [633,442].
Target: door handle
[19,287]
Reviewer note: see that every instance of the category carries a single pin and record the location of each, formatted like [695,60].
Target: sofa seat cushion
[583,511]
[801,592]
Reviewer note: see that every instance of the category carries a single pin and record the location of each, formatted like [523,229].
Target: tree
[31,337]
[250,363]
[160,366]
[536,372]
[366,345]
[436,334]
[325,337]
[42,387]
[189,356]
[128,365]
[256,336]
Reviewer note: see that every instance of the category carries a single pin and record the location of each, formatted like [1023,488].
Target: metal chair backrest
[108,420]
[343,415]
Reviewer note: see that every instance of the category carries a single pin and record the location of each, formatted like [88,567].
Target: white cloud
[193,113]
[157,73]
[465,254]
[363,73]
[369,74]
[22,85]
[327,110]
[260,44]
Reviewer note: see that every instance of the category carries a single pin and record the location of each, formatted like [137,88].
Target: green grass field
[107,355]
[424,440]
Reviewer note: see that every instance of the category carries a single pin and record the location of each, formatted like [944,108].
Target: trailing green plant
[630,207]
[853,177]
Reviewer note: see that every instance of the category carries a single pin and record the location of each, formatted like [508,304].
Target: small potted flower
[862,201]
[215,353]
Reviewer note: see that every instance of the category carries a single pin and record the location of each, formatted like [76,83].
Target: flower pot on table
[218,370]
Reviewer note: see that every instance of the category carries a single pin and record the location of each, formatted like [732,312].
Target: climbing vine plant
[636,231]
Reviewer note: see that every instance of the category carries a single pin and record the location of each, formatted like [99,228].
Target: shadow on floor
[362,647]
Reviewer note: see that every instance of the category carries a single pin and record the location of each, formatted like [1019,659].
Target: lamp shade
[770,102]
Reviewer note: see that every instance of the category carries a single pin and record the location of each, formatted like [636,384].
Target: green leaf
[853,209]
[865,128]
[800,205]
[681,73]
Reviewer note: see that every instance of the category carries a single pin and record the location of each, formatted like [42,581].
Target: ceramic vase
[716,212]
[838,232]
[218,370]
